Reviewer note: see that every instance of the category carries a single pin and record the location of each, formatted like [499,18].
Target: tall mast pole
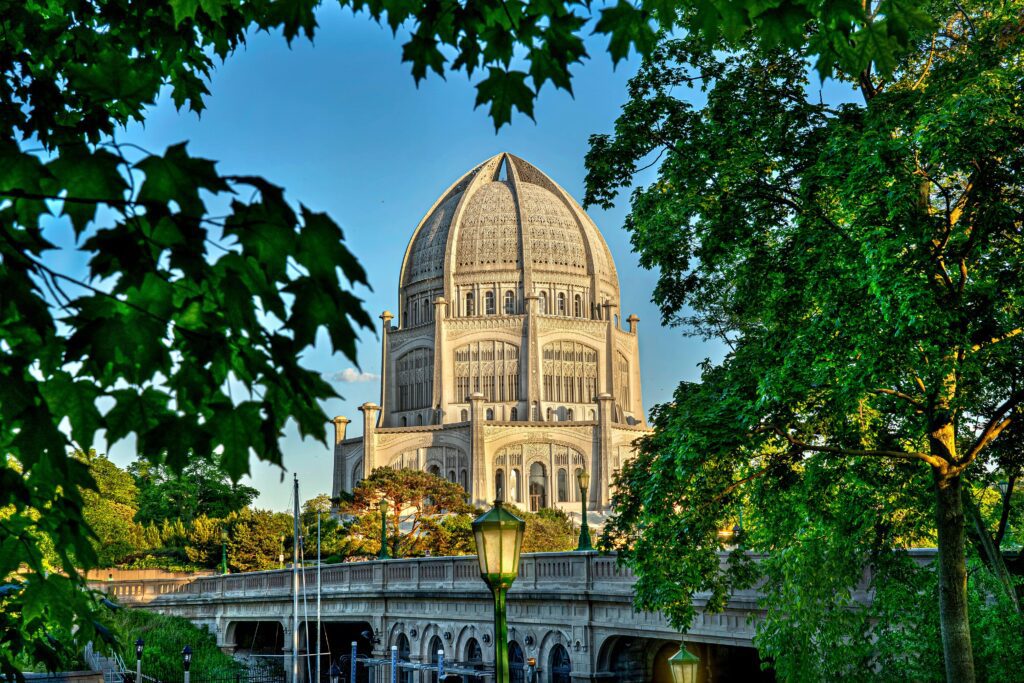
[318,595]
[295,588]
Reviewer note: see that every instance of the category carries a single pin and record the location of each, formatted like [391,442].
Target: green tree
[148,342]
[861,263]
[167,317]
[417,504]
[110,509]
[254,539]
[202,488]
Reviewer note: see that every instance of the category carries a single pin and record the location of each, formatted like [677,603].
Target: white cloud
[351,375]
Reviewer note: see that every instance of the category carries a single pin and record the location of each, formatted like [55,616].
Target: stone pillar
[479,467]
[531,359]
[632,320]
[440,358]
[609,354]
[386,411]
[340,427]
[601,462]
[369,411]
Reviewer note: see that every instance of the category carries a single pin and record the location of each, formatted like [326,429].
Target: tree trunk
[956,625]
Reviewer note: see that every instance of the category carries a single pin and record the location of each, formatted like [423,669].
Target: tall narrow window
[415,379]
[415,312]
[489,303]
[577,306]
[569,372]
[542,302]
[489,414]
[513,414]
[469,304]
[563,485]
[499,484]
[561,303]
[510,303]
[490,367]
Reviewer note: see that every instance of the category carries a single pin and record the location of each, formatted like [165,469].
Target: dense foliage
[164,637]
[862,264]
[181,302]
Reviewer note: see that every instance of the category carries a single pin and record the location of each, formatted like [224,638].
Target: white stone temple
[510,367]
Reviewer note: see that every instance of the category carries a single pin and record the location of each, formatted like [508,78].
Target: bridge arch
[255,636]
[548,643]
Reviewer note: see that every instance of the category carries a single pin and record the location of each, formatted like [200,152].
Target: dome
[493,215]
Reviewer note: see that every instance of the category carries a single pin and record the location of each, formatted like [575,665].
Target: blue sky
[341,125]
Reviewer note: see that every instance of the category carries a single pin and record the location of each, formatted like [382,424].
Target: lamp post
[186,660]
[383,554]
[223,551]
[684,665]
[280,557]
[583,479]
[138,660]
[499,538]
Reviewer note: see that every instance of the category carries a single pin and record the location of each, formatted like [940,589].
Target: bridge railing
[562,573]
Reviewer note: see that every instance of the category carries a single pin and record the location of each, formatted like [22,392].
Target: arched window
[435,645]
[577,306]
[463,480]
[416,379]
[465,415]
[563,485]
[489,303]
[489,415]
[510,303]
[499,484]
[419,420]
[559,665]
[415,312]
[538,487]
[470,310]
[513,414]
[435,470]
[514,487]
[451,476]
[516,663]
[404,675]
[405,421]
[561,303]
[551,414]
[568,415]
[474,660]
[542,302]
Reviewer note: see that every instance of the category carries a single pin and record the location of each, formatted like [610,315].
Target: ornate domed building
[510,368]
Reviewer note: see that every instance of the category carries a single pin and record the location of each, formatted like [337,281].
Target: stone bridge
[572,612]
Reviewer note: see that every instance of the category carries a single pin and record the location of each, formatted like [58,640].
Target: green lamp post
[223,551]
[499,538]
[383,554]
[684,665]
[583,479]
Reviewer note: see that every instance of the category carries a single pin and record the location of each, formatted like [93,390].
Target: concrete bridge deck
[564,607]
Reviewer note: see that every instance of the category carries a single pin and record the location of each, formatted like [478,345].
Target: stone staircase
[112,667]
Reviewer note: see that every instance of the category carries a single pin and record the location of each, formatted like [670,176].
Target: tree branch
[835,450]
[899,394]
[1005,513]
[996,424]
[995,340]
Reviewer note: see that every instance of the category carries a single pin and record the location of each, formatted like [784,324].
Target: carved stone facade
[508,341]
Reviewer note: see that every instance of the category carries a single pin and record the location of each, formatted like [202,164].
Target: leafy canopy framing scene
[862,262]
